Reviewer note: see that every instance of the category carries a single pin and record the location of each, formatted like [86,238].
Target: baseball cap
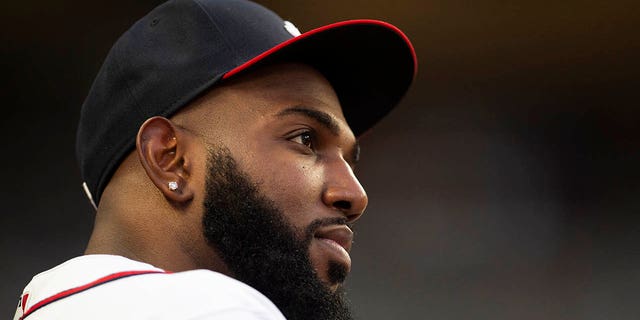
[182,48]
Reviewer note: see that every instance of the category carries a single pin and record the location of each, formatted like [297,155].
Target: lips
[338,234]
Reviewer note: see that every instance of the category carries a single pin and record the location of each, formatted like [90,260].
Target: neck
[158,241]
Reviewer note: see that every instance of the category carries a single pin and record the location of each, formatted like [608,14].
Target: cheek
[294,186]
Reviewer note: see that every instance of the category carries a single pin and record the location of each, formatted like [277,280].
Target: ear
[161,147]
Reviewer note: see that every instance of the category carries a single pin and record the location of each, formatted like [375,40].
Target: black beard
[264,251]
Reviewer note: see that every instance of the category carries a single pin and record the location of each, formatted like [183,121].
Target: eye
[304,138]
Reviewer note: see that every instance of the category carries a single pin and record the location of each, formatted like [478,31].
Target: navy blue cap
[182,48]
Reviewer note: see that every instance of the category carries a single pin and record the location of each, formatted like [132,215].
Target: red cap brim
[370,64]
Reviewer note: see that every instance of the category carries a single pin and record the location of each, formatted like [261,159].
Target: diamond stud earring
[173,186]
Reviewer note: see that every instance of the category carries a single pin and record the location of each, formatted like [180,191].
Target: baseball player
[217,145]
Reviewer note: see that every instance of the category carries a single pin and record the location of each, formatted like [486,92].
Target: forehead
[264,93]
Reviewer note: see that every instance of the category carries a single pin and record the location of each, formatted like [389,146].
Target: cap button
[291,28]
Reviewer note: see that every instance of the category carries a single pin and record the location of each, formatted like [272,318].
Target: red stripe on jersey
[72,291]
[23,302]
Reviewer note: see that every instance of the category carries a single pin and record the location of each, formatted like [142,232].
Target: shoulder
[196,294]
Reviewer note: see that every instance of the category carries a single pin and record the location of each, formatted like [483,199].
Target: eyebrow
[319,116]
[326,121]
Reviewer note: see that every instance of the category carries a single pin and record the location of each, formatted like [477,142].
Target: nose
[343,191]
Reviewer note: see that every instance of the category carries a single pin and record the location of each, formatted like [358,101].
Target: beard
[262,249]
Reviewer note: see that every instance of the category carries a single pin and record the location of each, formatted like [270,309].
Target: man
[217,145]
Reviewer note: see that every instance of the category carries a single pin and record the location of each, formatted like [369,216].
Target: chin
[334,275]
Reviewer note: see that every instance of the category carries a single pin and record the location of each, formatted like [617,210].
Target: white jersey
[114,287]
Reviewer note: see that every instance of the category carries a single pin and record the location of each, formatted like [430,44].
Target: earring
[173,186]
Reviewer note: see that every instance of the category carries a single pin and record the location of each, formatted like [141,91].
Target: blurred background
[505,185]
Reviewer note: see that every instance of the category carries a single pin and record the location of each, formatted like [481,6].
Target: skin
[301,160]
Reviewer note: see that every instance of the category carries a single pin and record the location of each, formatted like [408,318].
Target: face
[280,184]
[285,129]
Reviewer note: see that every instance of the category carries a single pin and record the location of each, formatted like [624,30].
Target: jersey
[114,287]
